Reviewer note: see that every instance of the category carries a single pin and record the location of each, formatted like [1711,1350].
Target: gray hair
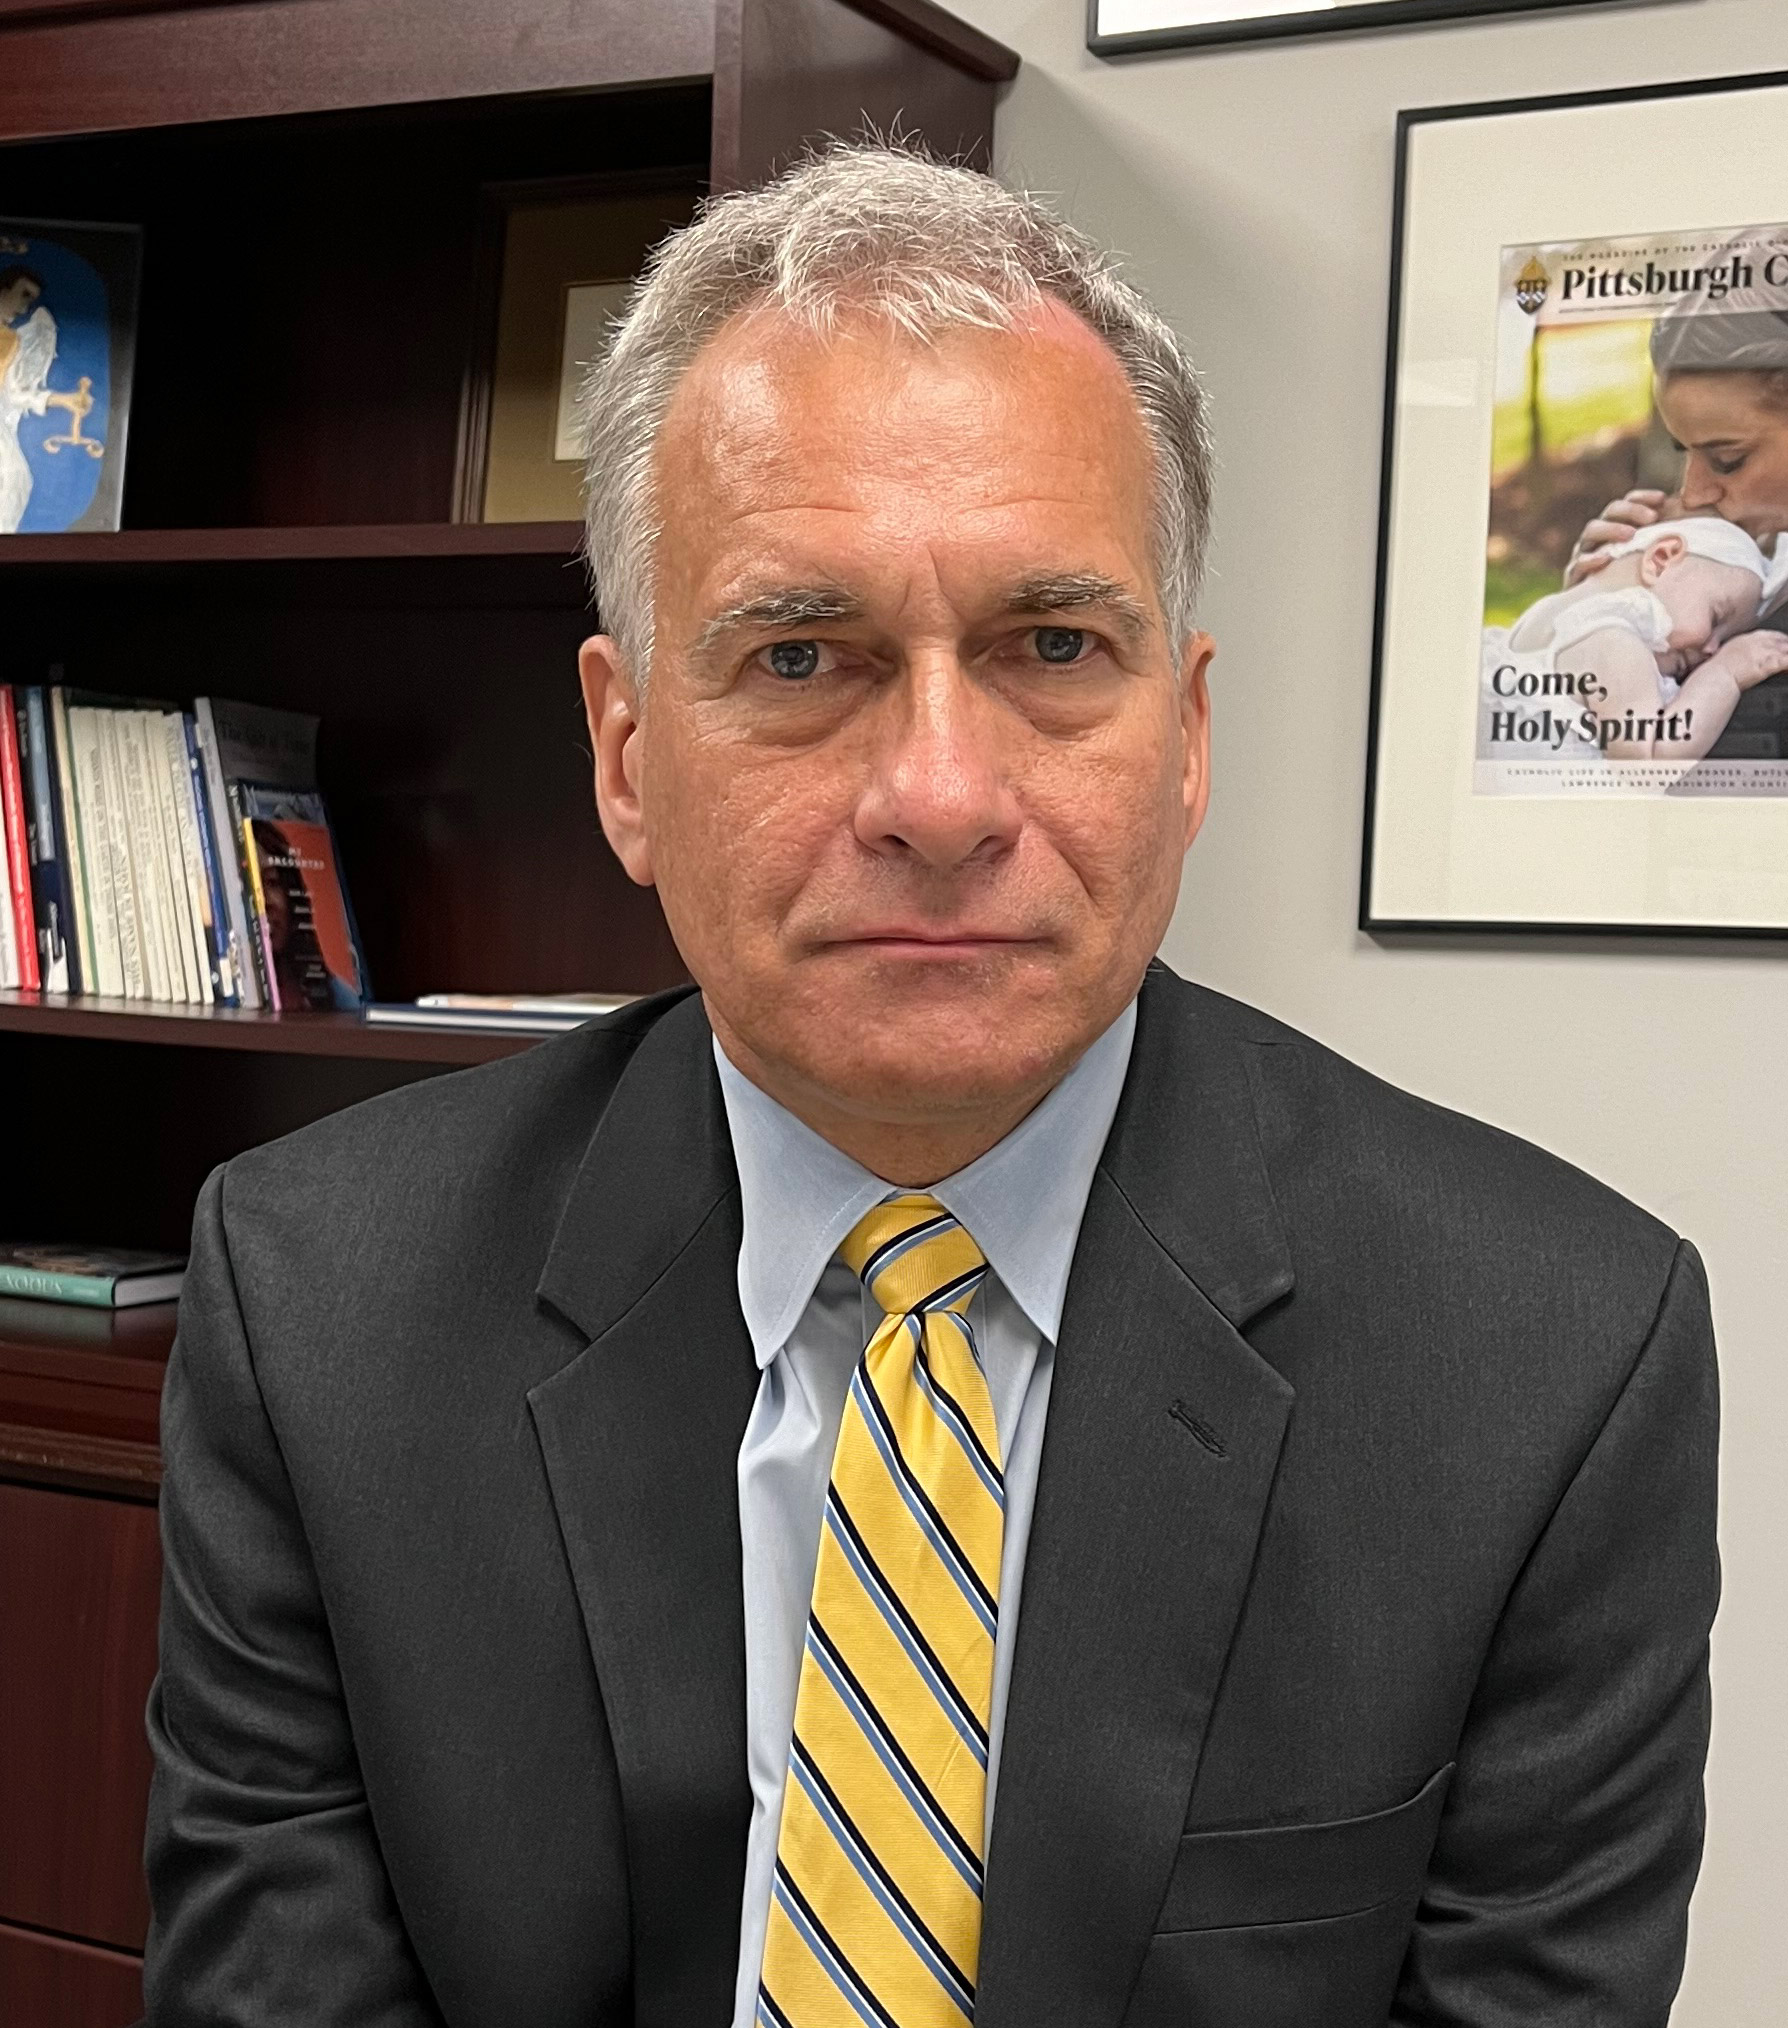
[924,244]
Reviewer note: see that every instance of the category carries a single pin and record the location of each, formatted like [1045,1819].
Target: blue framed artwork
[68,310]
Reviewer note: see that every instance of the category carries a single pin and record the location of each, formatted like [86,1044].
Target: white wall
[1252,190]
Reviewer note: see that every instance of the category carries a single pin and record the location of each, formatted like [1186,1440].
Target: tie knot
[913,1255]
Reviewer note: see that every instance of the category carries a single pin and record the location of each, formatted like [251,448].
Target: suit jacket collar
[1159,1458]
[640,1435]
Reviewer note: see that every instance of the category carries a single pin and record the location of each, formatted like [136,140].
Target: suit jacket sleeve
[271,1901]
[1559,1886]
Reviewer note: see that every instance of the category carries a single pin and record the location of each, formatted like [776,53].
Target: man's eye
[795,661]
[1060,644]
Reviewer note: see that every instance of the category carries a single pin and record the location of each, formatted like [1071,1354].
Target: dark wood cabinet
[308,175]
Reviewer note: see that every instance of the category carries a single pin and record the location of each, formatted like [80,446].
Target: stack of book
[103,1278]
[154,854]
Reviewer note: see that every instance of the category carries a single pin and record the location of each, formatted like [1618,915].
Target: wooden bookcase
[308,177]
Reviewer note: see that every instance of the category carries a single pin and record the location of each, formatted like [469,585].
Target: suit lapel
[640,1434]
[1159,1457]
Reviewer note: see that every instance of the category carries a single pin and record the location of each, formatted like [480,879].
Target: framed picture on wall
[68,314]
[1132,27]
[556,262]
[1580,685]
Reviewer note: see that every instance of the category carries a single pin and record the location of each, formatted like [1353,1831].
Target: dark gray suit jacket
[1361,1676]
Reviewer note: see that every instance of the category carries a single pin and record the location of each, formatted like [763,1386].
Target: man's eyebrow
[783,610]
[1071,591]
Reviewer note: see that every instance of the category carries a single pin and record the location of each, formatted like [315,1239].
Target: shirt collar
[1022,1201]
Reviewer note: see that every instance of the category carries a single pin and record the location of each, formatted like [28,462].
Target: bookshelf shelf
[393,541]
[98,1018]
[440,562]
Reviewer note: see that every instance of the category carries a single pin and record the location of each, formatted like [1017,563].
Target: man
[948,1474]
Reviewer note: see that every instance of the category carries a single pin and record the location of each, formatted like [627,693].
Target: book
[217,929]
[569,1006]
[476,1020]
[105,1278]
[132,939]
[18,850]
[247,743]
[187,981]
[103,891]
[142,849]
[183,842]
[83,973]
[9,947]
[310,953]
[49,889]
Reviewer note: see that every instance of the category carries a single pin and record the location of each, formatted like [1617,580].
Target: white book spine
[189,858]
[175,904]
[133,939]
[229,866]
[107,975]
[74,852]
[10,975]
[145,853]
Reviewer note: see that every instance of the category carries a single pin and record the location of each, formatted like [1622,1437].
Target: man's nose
[1701,487]
[940,791]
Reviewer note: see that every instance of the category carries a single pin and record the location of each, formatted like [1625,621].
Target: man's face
[916,763]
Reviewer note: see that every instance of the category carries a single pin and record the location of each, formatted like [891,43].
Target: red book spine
[18,851]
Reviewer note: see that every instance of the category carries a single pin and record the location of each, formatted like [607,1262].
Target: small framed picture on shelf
[1580,686]
[557,261]
[1132,27]
[68,312]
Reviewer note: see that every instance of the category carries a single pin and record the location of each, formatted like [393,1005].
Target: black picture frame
[1370,14]
[497,203]
[1393,927]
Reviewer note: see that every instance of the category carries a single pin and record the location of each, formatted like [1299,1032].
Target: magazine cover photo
[1635,605]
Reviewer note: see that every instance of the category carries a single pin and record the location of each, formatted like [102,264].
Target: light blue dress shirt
[809,1318]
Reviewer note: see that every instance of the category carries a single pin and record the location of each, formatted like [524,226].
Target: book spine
[186,833]
[223,969]
[229,859]
[132,942]
[254,899]
[140,843]
[81,970]
[95,1290]
[9,950]
[258,902]
[77,932]
[49,870]
[18,849]
[107,975]
[182,961]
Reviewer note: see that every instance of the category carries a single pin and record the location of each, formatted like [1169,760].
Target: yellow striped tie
[875,1912]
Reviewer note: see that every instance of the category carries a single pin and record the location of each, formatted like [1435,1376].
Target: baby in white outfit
[1642,655]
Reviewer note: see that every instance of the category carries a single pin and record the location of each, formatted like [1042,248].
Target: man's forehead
[767,391]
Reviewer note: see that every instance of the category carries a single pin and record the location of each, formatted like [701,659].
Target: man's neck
[910,1153]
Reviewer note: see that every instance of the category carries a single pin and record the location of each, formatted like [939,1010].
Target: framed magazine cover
[1579,712]
[1133,27]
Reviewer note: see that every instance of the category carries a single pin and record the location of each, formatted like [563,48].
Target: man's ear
[1654,561]
[611,704]
[1195,725]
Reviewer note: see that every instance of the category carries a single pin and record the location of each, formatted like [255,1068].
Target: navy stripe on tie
[949,1412]
[892,1755]
[876,1877]
[818,1939]
[901,1624]
[920,1505]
